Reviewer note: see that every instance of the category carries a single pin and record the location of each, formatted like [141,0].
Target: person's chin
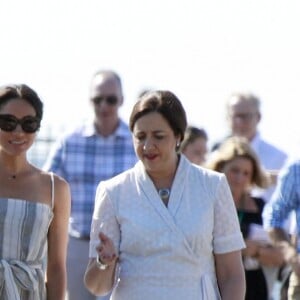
[151,165]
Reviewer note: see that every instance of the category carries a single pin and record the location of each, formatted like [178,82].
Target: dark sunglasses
[110,100]
[29,124]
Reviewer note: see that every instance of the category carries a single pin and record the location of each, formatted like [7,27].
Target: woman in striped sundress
[34,206]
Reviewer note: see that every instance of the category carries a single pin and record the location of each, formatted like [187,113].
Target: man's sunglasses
[110,100]
[29,124]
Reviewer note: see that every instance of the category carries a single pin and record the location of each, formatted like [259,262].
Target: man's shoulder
[272,148]
[123,129]
[293,164]
[216,145]
[78,131]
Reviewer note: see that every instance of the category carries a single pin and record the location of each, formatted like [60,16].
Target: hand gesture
[252,248]
[106,250]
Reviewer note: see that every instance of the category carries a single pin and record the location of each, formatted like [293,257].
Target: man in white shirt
[243,116]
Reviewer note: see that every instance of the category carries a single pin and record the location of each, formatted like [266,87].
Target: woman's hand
[106,250]
[252,248]
[100,281]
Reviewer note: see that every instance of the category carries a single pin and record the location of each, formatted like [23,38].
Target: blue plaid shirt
[84,158]
[286,198]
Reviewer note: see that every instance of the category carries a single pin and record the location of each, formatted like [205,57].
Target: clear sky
[201,50]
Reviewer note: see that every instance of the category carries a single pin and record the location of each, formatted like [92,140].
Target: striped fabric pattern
[23,247]
[286,198]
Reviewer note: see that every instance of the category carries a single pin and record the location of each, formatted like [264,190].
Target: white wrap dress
[167,252]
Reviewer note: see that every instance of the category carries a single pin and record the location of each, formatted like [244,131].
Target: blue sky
[201,50]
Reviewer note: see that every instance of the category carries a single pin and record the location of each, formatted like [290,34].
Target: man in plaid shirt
[95,151]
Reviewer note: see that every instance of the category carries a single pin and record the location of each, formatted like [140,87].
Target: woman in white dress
[34,206]
[165,229]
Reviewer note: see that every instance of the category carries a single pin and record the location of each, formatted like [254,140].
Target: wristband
[100,264]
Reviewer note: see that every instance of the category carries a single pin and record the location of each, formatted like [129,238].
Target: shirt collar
[89,129]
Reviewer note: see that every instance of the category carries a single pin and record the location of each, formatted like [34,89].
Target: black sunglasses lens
[8,123]
[110,100]
[97,100]
[30,124]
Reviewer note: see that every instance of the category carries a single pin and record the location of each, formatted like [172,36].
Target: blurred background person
[170,225]
[237,160]
[194,145]
[244,115]
[34,206]
[95,151]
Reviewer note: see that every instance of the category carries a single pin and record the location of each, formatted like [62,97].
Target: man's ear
[258,116]
[121,100]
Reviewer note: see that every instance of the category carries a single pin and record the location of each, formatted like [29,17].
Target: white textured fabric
[167,252]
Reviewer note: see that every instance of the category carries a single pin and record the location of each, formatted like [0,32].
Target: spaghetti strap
[52,189]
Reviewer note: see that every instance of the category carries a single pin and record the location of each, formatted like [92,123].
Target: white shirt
[271,158]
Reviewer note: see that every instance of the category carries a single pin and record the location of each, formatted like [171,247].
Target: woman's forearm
[56,284]
[99,282]
[233,288]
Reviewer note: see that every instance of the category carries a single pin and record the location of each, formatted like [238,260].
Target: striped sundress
[23,248]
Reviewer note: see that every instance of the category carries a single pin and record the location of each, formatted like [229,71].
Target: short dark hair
[21,91]
[165,103]
[191,134]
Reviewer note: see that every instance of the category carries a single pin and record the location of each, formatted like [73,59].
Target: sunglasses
[110,100]
[29,124]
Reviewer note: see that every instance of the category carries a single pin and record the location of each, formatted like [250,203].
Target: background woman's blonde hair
[234,147]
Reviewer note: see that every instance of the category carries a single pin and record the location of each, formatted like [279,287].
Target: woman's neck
[12,167]
[240,199]
[246,203]
[165,179]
